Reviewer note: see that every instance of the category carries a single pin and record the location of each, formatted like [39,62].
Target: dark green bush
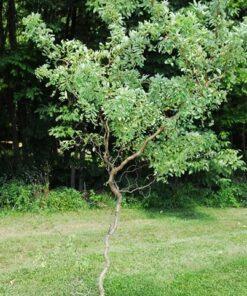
[64,199]
[100,199]
[187,195]
[19,196]
[172,197]
[16,195]
[231,194]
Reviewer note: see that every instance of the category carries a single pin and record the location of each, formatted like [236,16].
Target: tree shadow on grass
[191,213]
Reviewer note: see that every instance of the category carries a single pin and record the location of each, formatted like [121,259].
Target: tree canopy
[108,85]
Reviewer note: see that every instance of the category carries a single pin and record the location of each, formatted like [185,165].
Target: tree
[110,107]
[24,124]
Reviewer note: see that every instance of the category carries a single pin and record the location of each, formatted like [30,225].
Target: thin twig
[138,188]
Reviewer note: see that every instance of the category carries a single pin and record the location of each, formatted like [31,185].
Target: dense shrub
[172,197]
[228,195]
[100,199]
[187,195]
[17,195]
[63,199]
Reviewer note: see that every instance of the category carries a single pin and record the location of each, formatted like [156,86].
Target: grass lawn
[153,254]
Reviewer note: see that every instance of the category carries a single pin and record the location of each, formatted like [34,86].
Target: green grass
[153,254]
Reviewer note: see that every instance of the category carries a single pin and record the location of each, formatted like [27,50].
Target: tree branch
[139,152]
[106,155]
[137,188]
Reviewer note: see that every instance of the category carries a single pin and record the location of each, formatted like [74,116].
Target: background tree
[24,123]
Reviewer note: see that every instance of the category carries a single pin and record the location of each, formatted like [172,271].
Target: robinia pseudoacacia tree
[110,106]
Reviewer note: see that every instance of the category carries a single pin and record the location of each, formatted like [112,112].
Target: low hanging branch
[116,191]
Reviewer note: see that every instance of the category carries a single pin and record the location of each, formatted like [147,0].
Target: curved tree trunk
[113,171]
[115,190]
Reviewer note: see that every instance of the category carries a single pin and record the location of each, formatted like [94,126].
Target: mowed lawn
[203,252]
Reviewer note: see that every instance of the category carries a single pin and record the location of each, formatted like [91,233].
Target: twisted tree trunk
[115,190]
[113,171]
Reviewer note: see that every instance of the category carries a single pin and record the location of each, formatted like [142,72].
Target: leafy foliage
[151,59]
[64,199]
[19,196]
[188,195]
[16,195]
[208,50]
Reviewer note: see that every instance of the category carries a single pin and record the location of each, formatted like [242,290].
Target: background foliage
[29,152]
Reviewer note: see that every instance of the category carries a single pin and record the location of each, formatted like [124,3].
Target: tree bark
[244,140]
[72,177]
[113,227]
[70,27]
[73,22]
[14,128]
[80,183]
[68,22]
[2,35]
[12,24]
